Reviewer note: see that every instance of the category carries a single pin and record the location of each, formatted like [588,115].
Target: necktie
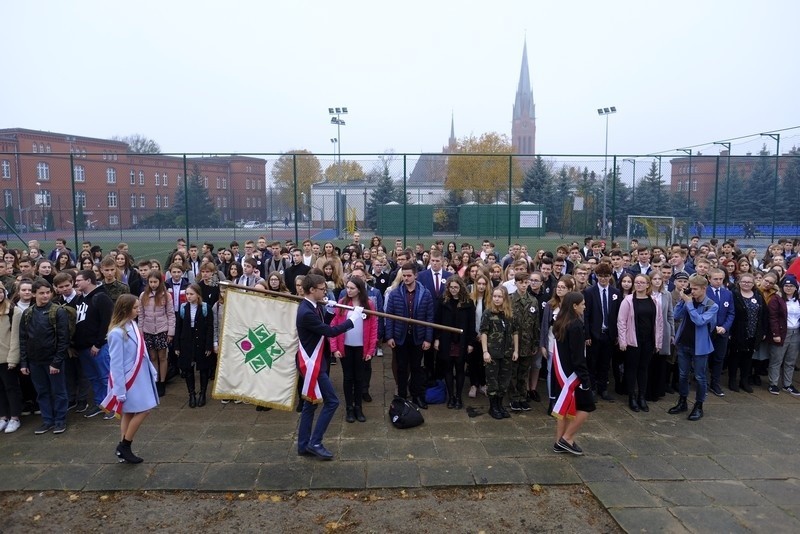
[605,309]
[716,292]
[437,283]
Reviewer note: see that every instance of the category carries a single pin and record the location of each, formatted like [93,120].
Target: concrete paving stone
[703,519]
[230,477]
[786,465]
[507,447]
[400,449]
[446,429]
[779,492]
[368,430]
[498,471]
[698,467]
[646,445]
[363,449]
[338,474]
[388,474]
[751,466]
[445,473]
[553,470]
[213,451]
[623,494]
[183,431]
[730,493]
[120,476]
[646,520]
[597,445]
[56,451]
[16,477]
[264,452]
[176,476]
[245,414]
[496,428]
[600,468]
[541,446]
[459,448]
[767,518]
[781,444]
[226,432]
[675,492]
[285,476]
[274,431]
[62,477]
[696,445]
[158,451]
[650,468]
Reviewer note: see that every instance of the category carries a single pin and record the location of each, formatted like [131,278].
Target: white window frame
[5,169]
[112,199]
[80,173]
[80,198]
[111,175]
[141,177]
[43,171]
[142,200]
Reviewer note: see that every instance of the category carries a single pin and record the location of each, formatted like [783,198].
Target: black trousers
[353,372]
[410,375]
[10,392]
[637,363]
[599,360]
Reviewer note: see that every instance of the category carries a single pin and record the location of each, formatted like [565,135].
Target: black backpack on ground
[403,414]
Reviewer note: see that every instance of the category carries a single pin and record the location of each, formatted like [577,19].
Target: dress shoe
[606,396]
[716,390]
[459,404]
[534,396]
[643,404]
[192,400]
[201,399]
[359,413]
[366,397]
[351,415]
[420,402]
[451,402]
[733,386]
[320,451]
[632,404]
[680,407]
[745,387]
[697,412]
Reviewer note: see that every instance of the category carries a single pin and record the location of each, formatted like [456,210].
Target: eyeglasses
[321,288]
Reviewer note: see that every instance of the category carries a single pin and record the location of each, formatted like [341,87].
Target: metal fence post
[294,175]
[405,198]
[74,203]
[510,186]
[613,201]
[186,198]
[716,190]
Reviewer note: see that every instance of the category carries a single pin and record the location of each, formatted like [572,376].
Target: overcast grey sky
[255,76]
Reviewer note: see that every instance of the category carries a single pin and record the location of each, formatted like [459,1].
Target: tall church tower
[523,123]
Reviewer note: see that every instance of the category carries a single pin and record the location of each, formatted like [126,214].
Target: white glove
[122,398]
[355,314]
[330,307]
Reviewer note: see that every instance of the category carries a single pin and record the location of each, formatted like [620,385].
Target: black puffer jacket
[39,342]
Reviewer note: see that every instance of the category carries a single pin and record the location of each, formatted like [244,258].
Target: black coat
[194,342]
[463,317]
[739,328]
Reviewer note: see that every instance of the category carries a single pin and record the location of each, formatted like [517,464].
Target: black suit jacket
[311,327]
[593,315]
[293,272]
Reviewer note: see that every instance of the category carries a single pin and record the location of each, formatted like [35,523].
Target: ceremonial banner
[258,344]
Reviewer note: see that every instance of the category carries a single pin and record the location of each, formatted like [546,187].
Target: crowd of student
[648,316]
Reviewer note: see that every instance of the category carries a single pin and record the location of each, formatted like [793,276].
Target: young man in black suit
[600,318]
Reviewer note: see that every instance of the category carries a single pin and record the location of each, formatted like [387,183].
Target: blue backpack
[204,307]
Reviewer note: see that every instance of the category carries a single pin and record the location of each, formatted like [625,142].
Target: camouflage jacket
[115,289]
[528,318]
[499,334]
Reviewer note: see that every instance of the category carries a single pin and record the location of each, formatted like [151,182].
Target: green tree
[50,223]
[201,208]
[790,186]
[759,188]
[80,218]
[651,194]
[538,183]
[385,191]
[559,206]
[139,144]
[483,174]
[10,217]
[309,171]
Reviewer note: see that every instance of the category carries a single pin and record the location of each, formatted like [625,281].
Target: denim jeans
[688,360]
[96,370]
[330,402]
[717,358]
[51,392]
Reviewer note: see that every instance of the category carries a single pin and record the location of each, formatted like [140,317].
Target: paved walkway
[738,469]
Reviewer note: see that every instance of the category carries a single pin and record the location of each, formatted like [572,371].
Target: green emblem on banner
[260,348]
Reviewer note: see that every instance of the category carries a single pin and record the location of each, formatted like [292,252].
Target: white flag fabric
[258,345]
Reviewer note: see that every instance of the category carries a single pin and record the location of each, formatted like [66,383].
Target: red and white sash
[110,403]
[565,404]
[310,366]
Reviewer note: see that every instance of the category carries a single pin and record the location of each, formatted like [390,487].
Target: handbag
[403,414]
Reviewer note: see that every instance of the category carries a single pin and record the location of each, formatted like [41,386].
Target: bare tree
[139,144]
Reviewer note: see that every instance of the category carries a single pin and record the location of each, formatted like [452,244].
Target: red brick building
[116,189]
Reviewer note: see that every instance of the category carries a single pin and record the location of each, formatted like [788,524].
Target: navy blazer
[311,327]
[426,279]
[593,315]
[726,311]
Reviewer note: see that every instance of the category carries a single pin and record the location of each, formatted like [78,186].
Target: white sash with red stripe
[310,366]
[565,404]
[111,403]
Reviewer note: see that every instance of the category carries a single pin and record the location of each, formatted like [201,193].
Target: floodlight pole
[688,194]
[337,142]
[605,112]
[633,187]
[727,189]
[777,138]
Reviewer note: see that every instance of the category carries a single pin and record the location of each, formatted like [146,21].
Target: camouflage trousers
[518,385]
[498,375]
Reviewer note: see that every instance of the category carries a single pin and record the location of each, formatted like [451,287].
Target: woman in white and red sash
[570,377]
[132,389]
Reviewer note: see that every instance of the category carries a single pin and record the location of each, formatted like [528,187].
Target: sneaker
[473,392]
[82,407]
[535,396]
[12,426]
[515,406]
[717,390]
[109,416]
[237,402]
[774,390]
[484,391]
[3,424]
[225,401]
[43,429]
[94,410]
[72,405]
[525,406]
[557,448]
[380,353]
[59,428]
[572,449]
[792,390]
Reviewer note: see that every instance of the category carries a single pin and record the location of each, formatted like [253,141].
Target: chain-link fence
[109,196]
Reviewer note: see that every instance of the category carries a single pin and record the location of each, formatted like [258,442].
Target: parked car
[252,224]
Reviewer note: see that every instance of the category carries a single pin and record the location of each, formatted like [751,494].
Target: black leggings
[637,361]
[452,366]
[10,392]
[204,374]
[353,375]
[477,372]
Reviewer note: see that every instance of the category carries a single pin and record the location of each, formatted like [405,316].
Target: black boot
[351,416]
[125,454]
[192,400]
[359,413]
[201,399]
[632,403]
[502,408]
[493,410]
[190,386]
[458,405]
[643,404]
[451,402]
[161,389]
[697,412]
[680,407]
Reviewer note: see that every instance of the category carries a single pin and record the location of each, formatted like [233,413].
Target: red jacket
[370,328]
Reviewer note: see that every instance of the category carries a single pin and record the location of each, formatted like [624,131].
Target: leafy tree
[346,171]
[385,191]
[446,214]
[139,144]
[309,172]
[201,208]
[484,176]
[537,184]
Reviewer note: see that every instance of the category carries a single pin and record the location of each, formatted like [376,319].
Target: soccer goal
[651,230]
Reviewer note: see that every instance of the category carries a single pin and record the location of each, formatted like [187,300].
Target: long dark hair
[566,314]
[363,296]
[463,296]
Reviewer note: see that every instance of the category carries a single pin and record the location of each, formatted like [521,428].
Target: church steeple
[451,143]
[523,125]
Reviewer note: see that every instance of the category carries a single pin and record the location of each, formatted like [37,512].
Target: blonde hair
[506,307]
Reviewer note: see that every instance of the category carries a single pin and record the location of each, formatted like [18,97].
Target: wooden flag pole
[298,298]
